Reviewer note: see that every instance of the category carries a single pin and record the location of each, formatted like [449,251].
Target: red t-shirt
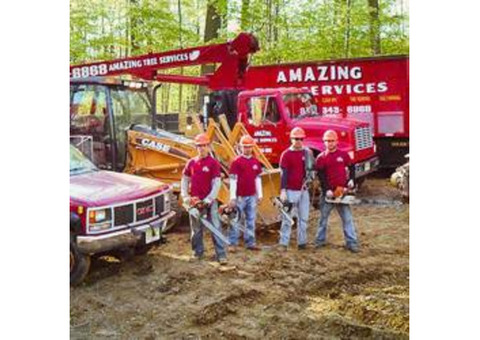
[333,164]
[294,162]
[202,171]
[246,169]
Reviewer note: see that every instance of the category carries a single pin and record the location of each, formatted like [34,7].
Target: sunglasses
[300,139]
[329,140]
[201,146]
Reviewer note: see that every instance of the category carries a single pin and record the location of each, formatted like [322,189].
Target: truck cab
[112,211]
[270,114]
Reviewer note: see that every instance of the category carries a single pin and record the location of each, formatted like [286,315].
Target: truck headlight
[100,219]
[99,215]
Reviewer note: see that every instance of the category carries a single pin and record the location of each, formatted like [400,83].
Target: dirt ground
[312,294]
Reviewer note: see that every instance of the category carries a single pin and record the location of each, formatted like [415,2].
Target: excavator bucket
[162,155]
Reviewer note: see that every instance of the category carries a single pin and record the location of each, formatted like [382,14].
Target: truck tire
[79,264]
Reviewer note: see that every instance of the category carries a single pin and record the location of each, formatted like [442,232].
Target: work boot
[319,246]
[353,248]
[232,249]
[282,248]
[196,257]
[254,248]
[222,261]
[302,247]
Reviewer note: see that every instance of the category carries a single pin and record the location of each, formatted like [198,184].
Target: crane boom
[233,57]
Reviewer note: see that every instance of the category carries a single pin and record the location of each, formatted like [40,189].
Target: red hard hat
[247,140]
[202,139]
[297,133]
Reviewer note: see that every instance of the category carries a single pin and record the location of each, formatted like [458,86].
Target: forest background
[288,31]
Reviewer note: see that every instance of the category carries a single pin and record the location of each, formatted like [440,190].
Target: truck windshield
[300,105]
[79,163]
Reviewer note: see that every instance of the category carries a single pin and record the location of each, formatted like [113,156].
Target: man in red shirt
[332,165]
[296,164]
[245,192]
[201,183]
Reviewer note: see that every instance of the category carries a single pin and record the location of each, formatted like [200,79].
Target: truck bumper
[366,167]
[135,235]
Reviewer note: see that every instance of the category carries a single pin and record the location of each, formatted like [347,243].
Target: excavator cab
[101,111]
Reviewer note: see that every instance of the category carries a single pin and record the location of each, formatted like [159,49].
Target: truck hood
[319,123]
[101,188]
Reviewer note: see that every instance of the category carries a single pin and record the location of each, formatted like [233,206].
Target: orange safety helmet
[297,132]
[330,134]
[247,140]
[202,139]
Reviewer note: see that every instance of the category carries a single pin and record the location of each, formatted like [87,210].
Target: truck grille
[144,210]
[139,211]
[363,138]
[159,204]
[123,214]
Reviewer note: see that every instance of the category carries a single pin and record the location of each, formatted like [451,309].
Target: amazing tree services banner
[371,89]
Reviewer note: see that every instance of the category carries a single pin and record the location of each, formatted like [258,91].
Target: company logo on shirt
[255,167]
[339,159]
[205,169]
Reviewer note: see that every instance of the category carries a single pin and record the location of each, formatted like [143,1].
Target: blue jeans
[197,232]
[247,206]
[301,204]
[347,221]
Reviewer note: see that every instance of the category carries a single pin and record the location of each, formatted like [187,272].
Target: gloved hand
[350,184]
[329,194]
[259,198]
[206,202]
[283,195]
[232,203]
[187,200]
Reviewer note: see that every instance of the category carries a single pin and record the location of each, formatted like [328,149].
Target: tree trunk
[244,15]
[374,26]
[276,24]
[212,26]
[134,23]
[347,29]
[180,42]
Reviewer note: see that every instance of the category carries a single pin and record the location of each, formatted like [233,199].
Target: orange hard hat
[330,134]
[297,132]
[202,139]
[247,140]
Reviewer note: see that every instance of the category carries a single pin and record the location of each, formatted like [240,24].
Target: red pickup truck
[111,211]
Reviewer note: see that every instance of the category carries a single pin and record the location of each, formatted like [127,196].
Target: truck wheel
[79,265]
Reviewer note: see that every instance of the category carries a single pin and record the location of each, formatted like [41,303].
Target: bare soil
[312,294]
